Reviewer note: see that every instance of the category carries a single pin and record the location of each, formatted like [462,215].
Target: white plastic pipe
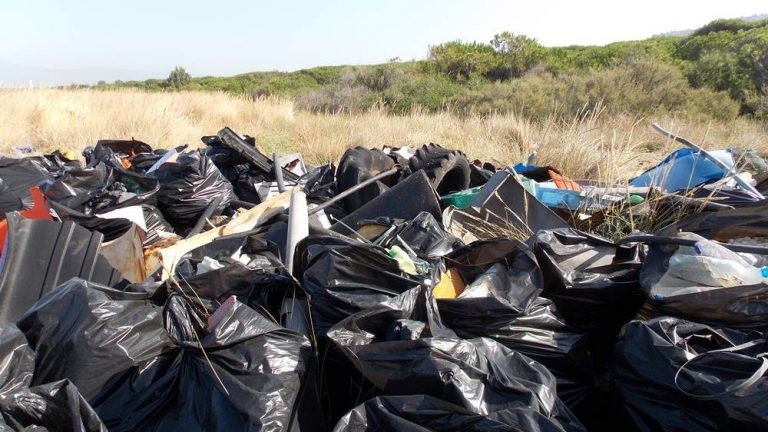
[298,225]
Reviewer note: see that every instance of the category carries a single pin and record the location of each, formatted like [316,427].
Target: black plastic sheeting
[503,303]
[420,413]
[141,366]
[42,254]
[51,406]
[478,374]
[343,277]
[674,375]
[187,188]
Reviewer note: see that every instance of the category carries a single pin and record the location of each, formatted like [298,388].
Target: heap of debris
[405,289]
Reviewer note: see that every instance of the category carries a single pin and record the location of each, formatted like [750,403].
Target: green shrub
[428,92]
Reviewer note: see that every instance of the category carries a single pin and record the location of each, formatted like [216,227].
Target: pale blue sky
[229,37]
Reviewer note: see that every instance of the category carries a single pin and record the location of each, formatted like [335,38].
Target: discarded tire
[448,171]
[358,165]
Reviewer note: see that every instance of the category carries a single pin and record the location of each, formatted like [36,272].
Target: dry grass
[593,147]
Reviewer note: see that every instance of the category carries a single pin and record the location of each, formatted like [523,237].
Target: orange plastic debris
[451,285]
[563,182]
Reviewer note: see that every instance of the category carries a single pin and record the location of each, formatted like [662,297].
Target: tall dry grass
[595,146]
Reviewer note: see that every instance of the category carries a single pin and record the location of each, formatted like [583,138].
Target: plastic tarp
[149,367]
[684,169]
[675,375]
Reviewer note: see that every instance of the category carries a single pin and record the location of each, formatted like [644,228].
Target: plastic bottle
[715,272]
[709,263]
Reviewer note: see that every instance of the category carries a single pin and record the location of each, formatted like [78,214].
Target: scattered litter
[400,289]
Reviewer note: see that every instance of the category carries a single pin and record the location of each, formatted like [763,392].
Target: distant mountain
[751,18]
[17,75]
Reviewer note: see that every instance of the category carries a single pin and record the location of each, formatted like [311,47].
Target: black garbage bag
[343,277]
[236,168]
[55,406]
[52,406]
[141,366]
[503,304]
[359,164]
[320,186]
[419,413]
[257,278]
[723,225]
[112,152]
[76,187]
[594,283]
[17,176]
[101,188]
[737,306]
[187,188]
[673,375]
[155,223]
[479,374]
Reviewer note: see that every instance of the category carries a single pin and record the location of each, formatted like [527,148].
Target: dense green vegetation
[719,71]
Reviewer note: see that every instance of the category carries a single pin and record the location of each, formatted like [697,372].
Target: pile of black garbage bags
[394,311]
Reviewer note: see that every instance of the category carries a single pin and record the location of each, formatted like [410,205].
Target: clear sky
[229,37]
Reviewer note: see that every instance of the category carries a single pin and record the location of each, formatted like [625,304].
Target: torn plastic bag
[594,283]
[52,406]
[141,365]
[418,413]
[502,303]
[343,277]
[187,188]
[479,374]
[672,375]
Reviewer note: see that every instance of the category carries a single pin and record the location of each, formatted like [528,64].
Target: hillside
[718,71]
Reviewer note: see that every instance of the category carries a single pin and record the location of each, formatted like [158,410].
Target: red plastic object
[38,211]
